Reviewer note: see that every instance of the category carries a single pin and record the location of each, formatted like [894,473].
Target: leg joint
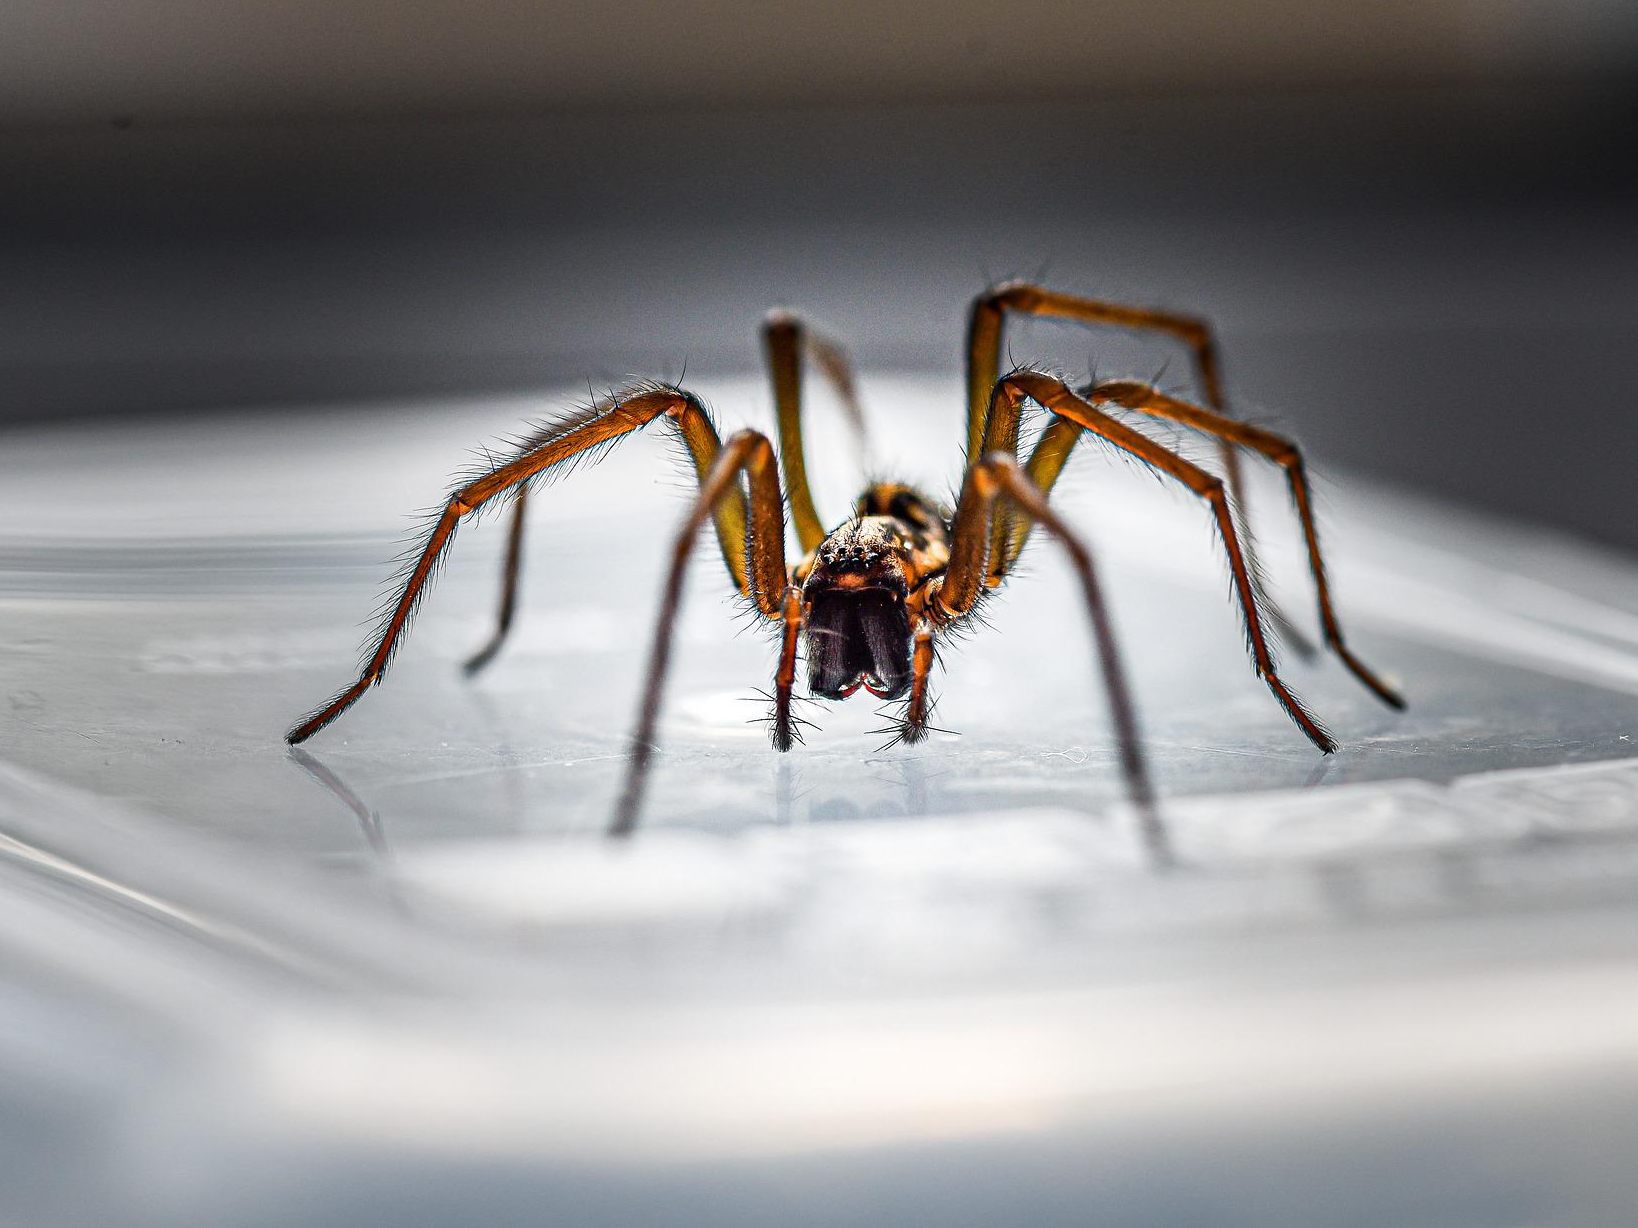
[1005,295]
[678,409]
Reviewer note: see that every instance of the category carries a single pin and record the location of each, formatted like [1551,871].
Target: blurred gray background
[1413,222]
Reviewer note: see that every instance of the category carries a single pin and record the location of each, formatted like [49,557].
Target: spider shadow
[1153,834]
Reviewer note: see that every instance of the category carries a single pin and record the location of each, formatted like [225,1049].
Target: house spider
[872,596]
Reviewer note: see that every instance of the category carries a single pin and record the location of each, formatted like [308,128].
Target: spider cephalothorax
[870,597]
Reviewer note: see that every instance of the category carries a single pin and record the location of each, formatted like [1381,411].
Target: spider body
[864,591]
[866,601]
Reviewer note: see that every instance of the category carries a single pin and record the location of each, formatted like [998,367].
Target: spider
[872,597]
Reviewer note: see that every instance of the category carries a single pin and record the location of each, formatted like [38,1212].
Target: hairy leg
[748,452]
[954,595]
[986,339]
[1140,397]
[786,341]
[1001,438]
[987,323]
[558,444]
[700,439]
[510,572]
[914,726]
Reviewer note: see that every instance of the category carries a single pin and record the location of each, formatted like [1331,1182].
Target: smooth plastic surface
[401,978]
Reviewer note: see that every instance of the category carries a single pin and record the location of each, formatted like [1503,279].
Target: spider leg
[1053,448]
[700,438]
[1010,530]
[747,452]
[786,339]
[785,675]
[603,423]
[953,596]
[913,728]
[1056,396]
[1140,397]
[509,585]
[985,339]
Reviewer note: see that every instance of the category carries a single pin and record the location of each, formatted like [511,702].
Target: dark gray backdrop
[1430,284]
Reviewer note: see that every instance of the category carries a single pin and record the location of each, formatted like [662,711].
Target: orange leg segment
[1133,395]
[510,573]
[985,342]
[748,452]
[786,341]
[1001,438]
[603,423]
[954,595]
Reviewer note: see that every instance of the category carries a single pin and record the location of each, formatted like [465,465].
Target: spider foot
[1366,675]
[784,727]
[1305,720]
[907,732]
[476,662]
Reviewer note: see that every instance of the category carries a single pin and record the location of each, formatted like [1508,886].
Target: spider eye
[858,637]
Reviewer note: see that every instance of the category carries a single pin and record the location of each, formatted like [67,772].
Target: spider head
[853,601]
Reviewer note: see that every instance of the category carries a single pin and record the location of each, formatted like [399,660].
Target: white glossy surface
[403,980]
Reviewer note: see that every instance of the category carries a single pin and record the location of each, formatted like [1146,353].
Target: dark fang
[856,639]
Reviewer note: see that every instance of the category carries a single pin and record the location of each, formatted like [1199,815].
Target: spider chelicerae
[872,598]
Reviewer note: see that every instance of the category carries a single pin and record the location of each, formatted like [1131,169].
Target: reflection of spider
[872,596]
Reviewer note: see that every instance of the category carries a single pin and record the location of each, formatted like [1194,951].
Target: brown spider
[872,595]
